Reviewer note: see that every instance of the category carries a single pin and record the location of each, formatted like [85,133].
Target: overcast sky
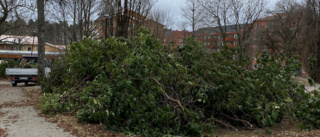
[175,7]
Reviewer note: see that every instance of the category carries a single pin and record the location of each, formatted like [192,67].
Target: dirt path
[18,118]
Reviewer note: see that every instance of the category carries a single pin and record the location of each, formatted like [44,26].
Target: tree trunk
[317,74]
[64,26]
[123,20]
[41,43]
[82,4]
[317,71]
[193,10]
[74,34]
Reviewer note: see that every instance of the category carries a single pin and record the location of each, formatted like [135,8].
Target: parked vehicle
[27,72]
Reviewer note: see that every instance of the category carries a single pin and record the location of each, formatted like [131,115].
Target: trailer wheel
[14,83]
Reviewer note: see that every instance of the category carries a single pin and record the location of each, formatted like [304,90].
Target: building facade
[175,39]
[261,36]
[13,44]
[109,26]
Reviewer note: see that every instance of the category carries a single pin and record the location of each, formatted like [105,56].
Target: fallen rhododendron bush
[138,86]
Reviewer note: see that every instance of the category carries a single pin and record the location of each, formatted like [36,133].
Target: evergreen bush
[135,86]
[9,63]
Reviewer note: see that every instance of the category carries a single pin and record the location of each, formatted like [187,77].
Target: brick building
[212,38]
[267,35]
[107,27]
[155,28]
[175,39]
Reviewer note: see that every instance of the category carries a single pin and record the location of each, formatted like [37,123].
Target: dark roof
[229,28]
[154,21]
[167,32]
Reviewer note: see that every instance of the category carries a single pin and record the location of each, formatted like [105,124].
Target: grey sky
[175,7]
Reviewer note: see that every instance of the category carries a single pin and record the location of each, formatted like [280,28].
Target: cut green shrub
[136,86]
[9,63]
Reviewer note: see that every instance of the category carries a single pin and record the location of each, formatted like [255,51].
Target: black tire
[26,83]
[14,84]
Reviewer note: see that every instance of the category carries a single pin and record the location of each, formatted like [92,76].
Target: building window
[180,46]
[269,25]
[257,26]
[180,40]
[29,49]
[255,57]
[265,47]
[235,36]
[256,47]
[255,66]
[13,47]
[205,37]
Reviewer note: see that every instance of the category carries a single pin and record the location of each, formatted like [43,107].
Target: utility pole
[41,43]
[34,35]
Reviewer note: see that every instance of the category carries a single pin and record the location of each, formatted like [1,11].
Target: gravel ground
[18,118]
[11,94]
[309,88]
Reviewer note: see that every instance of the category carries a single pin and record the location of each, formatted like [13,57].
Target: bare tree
[11,10]
[183,25]
[234,16]
[245,13]
[127,15]
[293,29]
[217,12]
[163,16]
[88,11]
[193,14]
[312,36]
[283,29]
[82,14]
